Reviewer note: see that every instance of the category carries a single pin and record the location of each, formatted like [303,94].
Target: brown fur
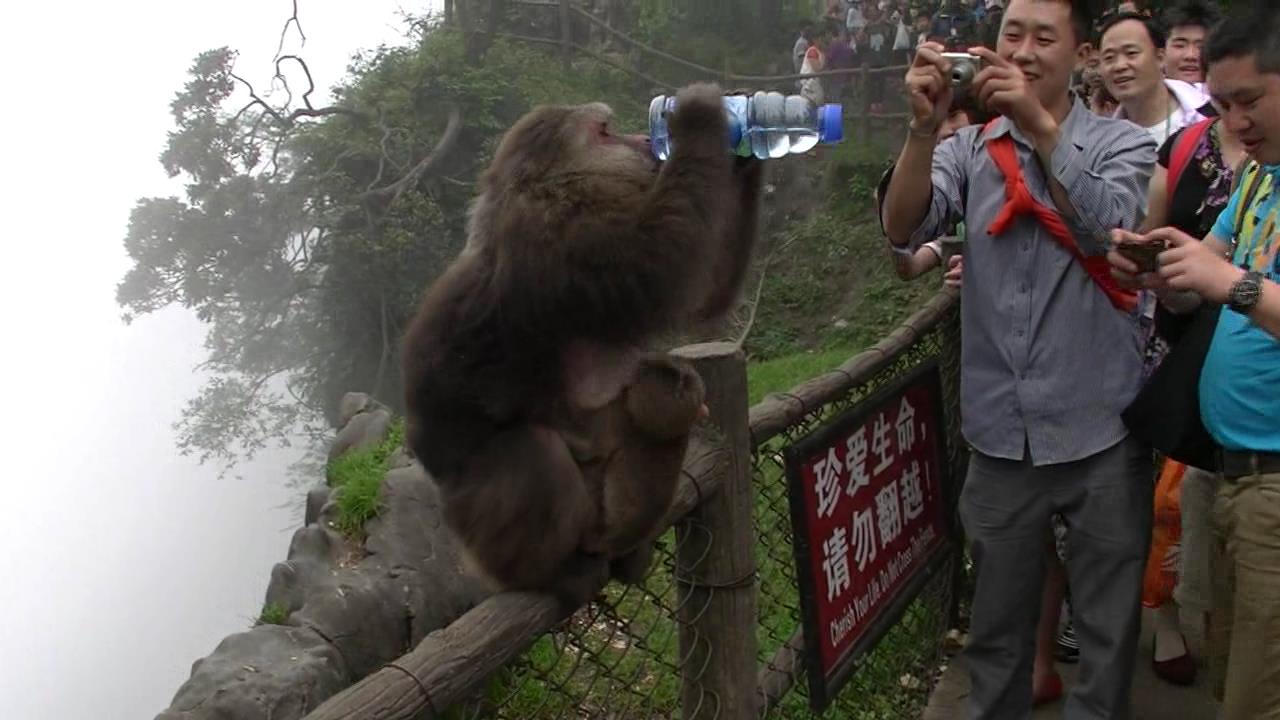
[645,434]
[579,252]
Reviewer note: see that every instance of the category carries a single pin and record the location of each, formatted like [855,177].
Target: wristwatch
[1244,294]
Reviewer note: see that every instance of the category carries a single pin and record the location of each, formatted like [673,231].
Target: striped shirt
[1046,361]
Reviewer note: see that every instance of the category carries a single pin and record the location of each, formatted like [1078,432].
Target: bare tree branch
[442,148]
[287,121]
[311,84]
[754,305]
[384,157]
[293,20]
[385,357]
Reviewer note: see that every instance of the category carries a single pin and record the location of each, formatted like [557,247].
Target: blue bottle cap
[830,124]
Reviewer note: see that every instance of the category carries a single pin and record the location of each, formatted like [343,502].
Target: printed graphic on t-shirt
[1259,245]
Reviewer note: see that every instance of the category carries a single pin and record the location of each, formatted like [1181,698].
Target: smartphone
[1146,255]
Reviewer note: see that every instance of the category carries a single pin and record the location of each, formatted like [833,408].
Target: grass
[273,614]
[356,477]
[783,373]
[831,286]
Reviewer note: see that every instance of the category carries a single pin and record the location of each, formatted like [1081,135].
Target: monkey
[582,249]
[644,436]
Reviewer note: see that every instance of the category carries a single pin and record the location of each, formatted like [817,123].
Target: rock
[363,612]
[272,672]
[351,607]
[365,430]
[316,498]
[407,584]
[399,459]
[352,404]
[314,552]
[410,538]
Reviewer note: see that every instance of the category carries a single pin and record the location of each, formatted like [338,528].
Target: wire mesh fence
[619,657]
[631,653]
[894,679]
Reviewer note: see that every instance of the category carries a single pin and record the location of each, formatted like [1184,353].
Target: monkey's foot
[633,567]
[583,579]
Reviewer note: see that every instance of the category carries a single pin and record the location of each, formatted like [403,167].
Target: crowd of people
[1102,197]
[885,33]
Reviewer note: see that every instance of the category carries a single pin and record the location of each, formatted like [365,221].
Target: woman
[1192,206]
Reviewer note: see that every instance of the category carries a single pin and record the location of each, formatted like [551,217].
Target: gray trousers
[1106,502]
[1194,591]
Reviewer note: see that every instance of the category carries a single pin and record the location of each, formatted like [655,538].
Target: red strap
[1018,201]
[1183,148]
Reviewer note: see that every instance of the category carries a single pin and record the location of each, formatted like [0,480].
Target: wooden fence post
[715,557]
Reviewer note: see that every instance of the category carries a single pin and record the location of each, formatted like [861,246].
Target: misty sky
[123,562]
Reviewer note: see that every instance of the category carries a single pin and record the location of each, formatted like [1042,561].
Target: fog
[124,562]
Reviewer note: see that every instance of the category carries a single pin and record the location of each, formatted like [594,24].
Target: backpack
[1180,155]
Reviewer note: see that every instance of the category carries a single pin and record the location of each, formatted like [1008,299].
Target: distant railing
[568,10]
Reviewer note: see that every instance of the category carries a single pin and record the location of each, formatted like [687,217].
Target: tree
[307,232]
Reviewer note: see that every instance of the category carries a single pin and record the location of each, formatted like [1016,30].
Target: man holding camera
[1050,353]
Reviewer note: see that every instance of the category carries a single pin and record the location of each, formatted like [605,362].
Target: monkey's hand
[666,399]
[699,119]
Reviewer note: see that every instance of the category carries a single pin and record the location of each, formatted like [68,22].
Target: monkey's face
[553,142]
[598,147]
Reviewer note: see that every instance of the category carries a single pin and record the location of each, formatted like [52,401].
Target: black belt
[1240,464]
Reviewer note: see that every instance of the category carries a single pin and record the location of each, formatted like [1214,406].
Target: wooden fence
[715,631]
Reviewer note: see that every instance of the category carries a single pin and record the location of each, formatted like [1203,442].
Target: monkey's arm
[628,275]
[733,254]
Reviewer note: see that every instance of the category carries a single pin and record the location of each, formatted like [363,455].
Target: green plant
[356,477]
[273,614]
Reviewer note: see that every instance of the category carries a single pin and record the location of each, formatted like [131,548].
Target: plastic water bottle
[767,124]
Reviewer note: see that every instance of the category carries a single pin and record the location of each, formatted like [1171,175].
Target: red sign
[868,514]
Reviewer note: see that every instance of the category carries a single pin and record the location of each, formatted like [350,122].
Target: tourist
[1237,265]
[1048,358]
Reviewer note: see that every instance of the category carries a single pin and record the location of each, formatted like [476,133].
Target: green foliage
[293,241]
[783,373]
[831,285]
[356,477]
[273,614]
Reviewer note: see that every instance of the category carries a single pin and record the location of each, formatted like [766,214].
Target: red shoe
[1180,670]
[1047,693]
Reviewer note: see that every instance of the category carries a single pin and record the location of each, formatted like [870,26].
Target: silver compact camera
[964,68]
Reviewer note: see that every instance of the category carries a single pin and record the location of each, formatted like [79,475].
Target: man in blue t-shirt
[1240,381]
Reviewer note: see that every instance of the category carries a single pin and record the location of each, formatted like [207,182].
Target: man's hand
[1189,264]
[1000,86]
[1126,272]
[955,269]
[928,85]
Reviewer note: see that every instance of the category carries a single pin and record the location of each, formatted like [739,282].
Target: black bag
[1166,412]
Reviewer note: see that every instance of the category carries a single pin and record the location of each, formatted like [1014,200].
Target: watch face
[1244,294]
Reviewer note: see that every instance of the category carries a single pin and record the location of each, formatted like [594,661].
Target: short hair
[1192,13]
[1154,30]
[1244,34]
[1081,16]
